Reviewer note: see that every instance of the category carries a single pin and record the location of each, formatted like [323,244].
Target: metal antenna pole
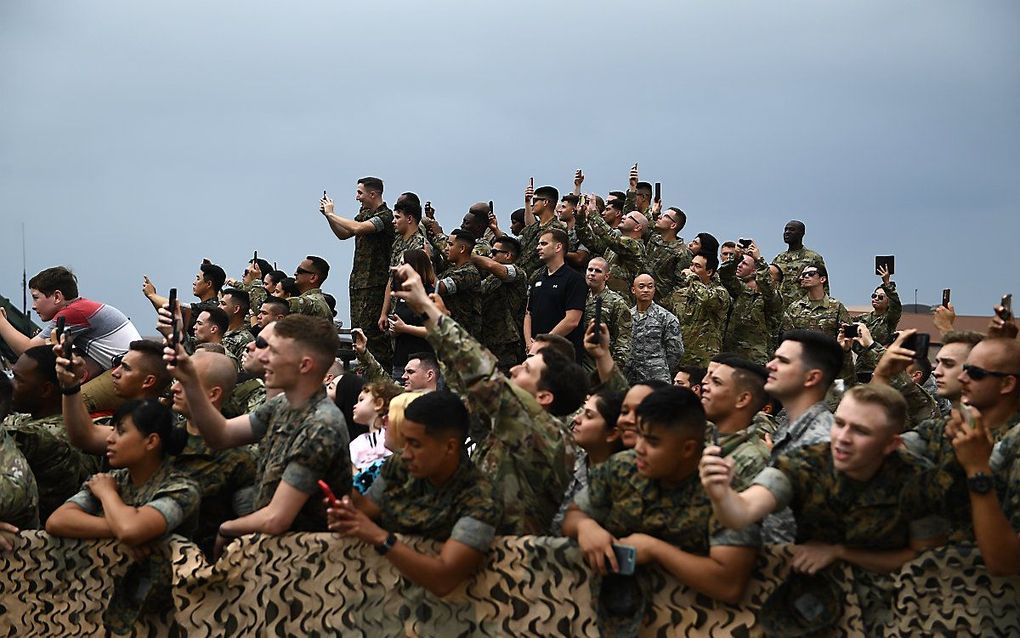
[24,274]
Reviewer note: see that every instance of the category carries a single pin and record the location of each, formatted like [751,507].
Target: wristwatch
[980,483]
[386,545]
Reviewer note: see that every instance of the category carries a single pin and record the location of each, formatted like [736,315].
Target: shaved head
[215,371]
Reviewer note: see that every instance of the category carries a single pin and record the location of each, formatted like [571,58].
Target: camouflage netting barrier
[315,584]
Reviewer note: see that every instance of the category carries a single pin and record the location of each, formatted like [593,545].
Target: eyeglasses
[978,374]
[808,273]
[879,297]
[261,343]
[497,251]
[301,271]
[116,361]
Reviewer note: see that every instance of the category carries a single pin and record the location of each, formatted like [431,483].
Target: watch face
[980,483]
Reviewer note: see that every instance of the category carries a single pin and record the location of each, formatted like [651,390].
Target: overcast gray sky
[141,137]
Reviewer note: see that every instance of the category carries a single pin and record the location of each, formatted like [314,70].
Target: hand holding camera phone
[626,559]
[1005,310]
[850,330]
[596,334]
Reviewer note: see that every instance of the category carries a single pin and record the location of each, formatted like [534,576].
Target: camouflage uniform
[199,308]
[462,509]
[175,496]
[792,263]
[300,446]
[503,304]
[657,345]
[19,495]
[920,406]
[236,342]
[245,397]
[400,245]
[1005,464]
[312,303]
[462,298]
[529,260]
[752,313]
[59,467]
[748,450]
[369,276]
[617,317]
[665,261]
[527,453]
[440,242]
[624,255]
[257,294]
[574,245]
[812,427]
[882,326]
[701,309]
[825,315]
[218,475]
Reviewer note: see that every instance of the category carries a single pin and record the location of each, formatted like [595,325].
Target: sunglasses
[808,273]
[978,374]
[261,343]
[879,297]
[301,271]
[497,251]
[116,361]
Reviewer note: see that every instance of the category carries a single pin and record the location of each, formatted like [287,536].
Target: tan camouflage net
[315,584]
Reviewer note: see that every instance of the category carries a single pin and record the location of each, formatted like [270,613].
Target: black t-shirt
[404,345]
[551,296]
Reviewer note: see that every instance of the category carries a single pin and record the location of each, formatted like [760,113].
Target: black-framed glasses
[301,271]
[808,273]
[261,343]
[497,251]
[879,297]
[977,373]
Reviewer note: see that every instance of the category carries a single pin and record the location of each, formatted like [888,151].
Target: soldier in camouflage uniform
[450,501]
[666,253]
[815,310]
[459,284]
[886,312]
[308,276]
[409,235]
[756,306]
[236,304]
[476,222]
[541,210]
[615,313]
[504,299]
[700,303]
[252,283]
[657,345]
[207,285]
[19,494]
[373,233]
[521,445]
[623,248]
[794,260]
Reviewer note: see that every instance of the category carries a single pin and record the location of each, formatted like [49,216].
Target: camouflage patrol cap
[802,606]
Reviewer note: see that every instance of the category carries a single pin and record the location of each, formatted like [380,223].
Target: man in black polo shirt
[557,294]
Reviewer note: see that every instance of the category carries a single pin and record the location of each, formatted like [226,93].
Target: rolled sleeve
[928,528]
[473,533]
[450,284]
[378,223]
[377,489]
[583,502]
[776,482]
[86,501]
[750,536]
[300,477]
[171,511]
[260,418]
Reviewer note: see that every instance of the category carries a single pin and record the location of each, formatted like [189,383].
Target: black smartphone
[945,297]
[597,332]
[66,347]
[919,343]
[888,261]
[658,191]
[1007,307]
[850,330]
[746,243]
[172,304]
[255,256]
[490,207]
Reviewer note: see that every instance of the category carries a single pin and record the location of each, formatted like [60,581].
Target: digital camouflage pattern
[235,342]
[665,261]
[244,398]
[527,453]
[416,241]
[312,303]
[410,505]
[792,263]
[617,317]
[528,259]
[624,255]
[701,309]
[920,405]
[1006,467]
[748,450]
[256,294]
[19,494]
[369,275]
[59,467]
[463,296]
[882,326]
[825,315]
[301,446]
[754,315]
[503,303]
[657,345]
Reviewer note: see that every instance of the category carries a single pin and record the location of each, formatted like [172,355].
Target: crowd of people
[589,373]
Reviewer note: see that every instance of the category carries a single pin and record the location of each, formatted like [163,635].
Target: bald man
[623,248]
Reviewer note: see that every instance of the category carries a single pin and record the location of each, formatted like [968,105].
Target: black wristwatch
[980,483]
[386,545]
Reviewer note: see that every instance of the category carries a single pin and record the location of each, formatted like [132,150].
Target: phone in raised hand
[172,304]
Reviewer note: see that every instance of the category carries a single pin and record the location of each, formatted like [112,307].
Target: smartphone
[715,437]
[324,194]
[850,330]
[1007,307]
[626,559]
[597,332]
[490,207]
[889,261]
[746,243]
[255,256]
[945,297]
[919,343]
[66,347]
[328,493]
[172,303]
[658,191]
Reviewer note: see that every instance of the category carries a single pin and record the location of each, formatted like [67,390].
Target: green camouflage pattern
[366,306]
[527,453]
[882,326]
[1007,473]
[825,315]
[370,268]
[792,263]
[462,297]
[754,314]
[235,342]
[616,315]
[503,303]
[665,260]
[416,241]
[256,294]
[244,398]
[748,450]
[624,255]
[657,346]
[312,303]
[701,309]
[19,494]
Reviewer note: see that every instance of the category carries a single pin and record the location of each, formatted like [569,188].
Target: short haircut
[511,244]
[320,265]
[214,348]
[330,301]
[644,188]
[780,275]
[428,359]
[517,215]
[548,192]
[559,236]
[654,384]
[46,362]
[315,333]
[696,373]
[565,379]
[442,413]
[924,366]
[290,286]
[213,274]
[264,266]
[152,417]
[674,408]
[152,361]
[480,212]
[819,351]
[559,343]
[681,217]
[219,317]
[409,204]
[571,199]
[729,244]
[615,204]
[372,184]
[240,297]
[709,245]
[886,397]
[53,279]
[969,337]
[822,271]
[280,306]
[748,376]
[277,276]
[465,236]
[620,195]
